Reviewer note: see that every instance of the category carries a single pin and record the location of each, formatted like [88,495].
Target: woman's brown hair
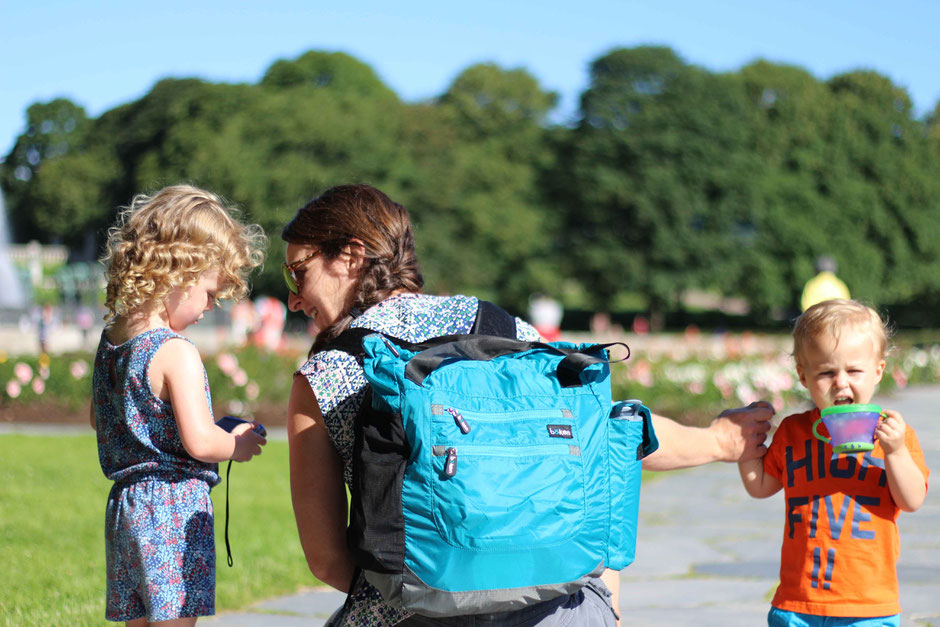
[330,223]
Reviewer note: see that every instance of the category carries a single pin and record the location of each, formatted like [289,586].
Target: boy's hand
[890,431]
[907,482]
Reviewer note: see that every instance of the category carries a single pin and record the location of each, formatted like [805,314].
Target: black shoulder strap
[491,320]
[494,320]
[350,341]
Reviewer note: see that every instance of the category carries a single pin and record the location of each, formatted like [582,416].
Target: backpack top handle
[485,348]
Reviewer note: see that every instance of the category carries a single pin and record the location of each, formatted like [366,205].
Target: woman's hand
[735,435]
[741,431]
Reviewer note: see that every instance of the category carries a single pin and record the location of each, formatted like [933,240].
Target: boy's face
[843,373]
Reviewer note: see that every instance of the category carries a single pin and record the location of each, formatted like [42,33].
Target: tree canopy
[672,178]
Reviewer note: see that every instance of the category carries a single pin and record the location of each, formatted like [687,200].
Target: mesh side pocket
[625,435]
[376,534]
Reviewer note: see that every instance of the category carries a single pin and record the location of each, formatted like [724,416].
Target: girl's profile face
[186,306]
[843,372]
[324,286]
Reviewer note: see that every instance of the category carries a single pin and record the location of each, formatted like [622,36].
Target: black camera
[230,422]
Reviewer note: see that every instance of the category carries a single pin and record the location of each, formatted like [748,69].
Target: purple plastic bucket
[851,427]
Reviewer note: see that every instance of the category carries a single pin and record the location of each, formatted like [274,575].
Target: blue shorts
[160,547]
[783,618]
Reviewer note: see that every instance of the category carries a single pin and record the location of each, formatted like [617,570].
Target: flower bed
[245,382]
[693,386]
[688,380]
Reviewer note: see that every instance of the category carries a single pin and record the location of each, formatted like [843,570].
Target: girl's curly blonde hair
[168,240]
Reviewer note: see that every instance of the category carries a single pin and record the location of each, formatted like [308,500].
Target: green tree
[54,130]
[71,201]
[790,220]
[653,184]
[266,148]
[481,226]
[895,251]
[321,120]
[333,71]
[832,157]
[933,128]
[172,134]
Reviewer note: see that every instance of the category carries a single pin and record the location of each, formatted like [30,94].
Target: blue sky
[102,53]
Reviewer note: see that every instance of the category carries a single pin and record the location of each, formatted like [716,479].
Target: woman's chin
[314,328]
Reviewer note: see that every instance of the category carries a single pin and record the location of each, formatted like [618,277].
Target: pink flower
[642,373]
[23,372]
[78,368]
[228,363]
[252,391]
[13,388]
[746,394]
[44,372]
[726,390]
[900,377]
[240,377]
[39,386]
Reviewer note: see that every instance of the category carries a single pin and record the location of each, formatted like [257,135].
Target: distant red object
[549,334]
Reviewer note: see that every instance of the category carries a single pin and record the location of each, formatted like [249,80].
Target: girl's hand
[890,431]
[247,442]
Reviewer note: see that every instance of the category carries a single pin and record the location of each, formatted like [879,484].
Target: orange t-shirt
[840,537]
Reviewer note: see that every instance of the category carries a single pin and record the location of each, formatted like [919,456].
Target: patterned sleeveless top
[137,432]
[339,384]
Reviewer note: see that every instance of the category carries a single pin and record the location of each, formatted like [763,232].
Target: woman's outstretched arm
[735,435]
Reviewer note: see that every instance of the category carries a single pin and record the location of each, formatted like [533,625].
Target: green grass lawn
[52,502]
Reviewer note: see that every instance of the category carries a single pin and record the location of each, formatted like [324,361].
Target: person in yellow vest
[824,286]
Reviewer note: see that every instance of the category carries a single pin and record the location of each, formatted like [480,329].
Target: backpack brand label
[560,431]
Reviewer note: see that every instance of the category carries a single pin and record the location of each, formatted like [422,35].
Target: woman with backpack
[351,263]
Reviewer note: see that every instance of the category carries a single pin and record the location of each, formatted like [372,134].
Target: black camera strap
[228,548]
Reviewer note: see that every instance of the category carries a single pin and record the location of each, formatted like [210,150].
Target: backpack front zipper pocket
[521,427]
[497,497]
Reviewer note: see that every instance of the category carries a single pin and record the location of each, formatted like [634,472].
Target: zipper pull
[390,346]
[450,464]
[461,422]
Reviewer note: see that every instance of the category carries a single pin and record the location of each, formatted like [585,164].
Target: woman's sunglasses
[290,274]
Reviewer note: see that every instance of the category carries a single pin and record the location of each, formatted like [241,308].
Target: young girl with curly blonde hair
[169,259]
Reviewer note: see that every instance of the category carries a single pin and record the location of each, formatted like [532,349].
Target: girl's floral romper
[159,530]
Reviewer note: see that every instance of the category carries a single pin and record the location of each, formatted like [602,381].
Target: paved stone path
[707,554]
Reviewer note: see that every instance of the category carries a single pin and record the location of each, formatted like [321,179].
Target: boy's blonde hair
[829,317]
[169,239]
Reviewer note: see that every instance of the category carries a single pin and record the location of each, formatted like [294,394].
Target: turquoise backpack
[492,473]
